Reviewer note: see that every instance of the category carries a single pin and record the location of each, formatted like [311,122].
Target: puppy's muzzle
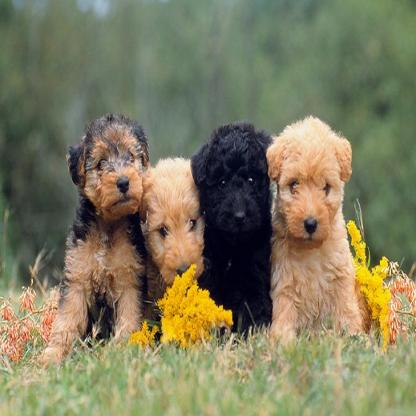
[123,184]
[182,269]
[310,224]
[239,217]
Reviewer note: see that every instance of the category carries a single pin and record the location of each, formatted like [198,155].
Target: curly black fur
[230,172]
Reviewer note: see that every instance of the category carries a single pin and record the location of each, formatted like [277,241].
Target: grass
[324,375]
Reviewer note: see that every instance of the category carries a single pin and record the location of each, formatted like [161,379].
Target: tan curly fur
[313,278]
[174,225]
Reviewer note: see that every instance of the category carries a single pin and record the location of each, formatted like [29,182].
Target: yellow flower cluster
[145,337]
[188,312]
[371,283]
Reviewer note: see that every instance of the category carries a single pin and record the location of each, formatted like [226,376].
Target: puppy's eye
[131,157]
[101,164]
[223,183]
[293,186]
[327,188]
[250,181]
[163,231]
[193,224]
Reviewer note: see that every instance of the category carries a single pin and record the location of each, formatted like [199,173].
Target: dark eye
[293,185]
[101,164]
[193,224]
[250,180]
[131,157]
[327,188]
[163,231]
[222,183]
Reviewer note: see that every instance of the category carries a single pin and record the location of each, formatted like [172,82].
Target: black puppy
[230,172]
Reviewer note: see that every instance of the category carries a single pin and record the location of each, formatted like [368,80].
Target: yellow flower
[357,242]
[371,283]
[145,337]
[188,313]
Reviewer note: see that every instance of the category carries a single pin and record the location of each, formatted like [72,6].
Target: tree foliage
[181,68]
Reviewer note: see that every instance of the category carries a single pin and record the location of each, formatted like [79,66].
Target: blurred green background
[183,67]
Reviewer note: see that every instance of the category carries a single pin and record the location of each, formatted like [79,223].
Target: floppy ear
[143,144]
[144,152]
[199,165]
[147,183]
[344,156]
[275,157]
[264,140]
[76,163]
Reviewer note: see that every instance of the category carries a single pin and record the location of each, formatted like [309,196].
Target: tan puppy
[313,276]
[174,230]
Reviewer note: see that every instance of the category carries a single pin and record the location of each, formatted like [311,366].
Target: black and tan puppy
[104,262]
[230,172]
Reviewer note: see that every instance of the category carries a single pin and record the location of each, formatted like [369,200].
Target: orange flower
[403,303]
[47,321]
[7,312]
[24,324]
[27,300]
[13,332]
[25,330]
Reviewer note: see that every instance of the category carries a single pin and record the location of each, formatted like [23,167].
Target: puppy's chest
[110,263]
[316,281]
[312,284]
[237,277]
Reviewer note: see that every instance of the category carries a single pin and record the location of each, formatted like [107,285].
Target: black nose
[123,184]
[310,225]
[240,216]
[182,269]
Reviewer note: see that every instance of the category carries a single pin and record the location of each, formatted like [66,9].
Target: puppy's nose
[310,225]
[182,269]
[123,184]
[240,216]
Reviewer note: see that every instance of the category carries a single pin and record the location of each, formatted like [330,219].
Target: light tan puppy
[174,230]
[313,276]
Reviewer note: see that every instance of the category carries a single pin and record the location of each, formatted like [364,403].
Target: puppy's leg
[347,311]
[128,313]
[284,320]
[70,323]
[364,310]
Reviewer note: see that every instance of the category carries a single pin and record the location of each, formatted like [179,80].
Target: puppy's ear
[199,165]
[76,163]
[142,140]
[344,156]
[275,157]
[144,154]
[147,183]
[264,140]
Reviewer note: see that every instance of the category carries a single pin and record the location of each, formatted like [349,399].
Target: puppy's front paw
[51,355]
[122,335]
[282,335]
